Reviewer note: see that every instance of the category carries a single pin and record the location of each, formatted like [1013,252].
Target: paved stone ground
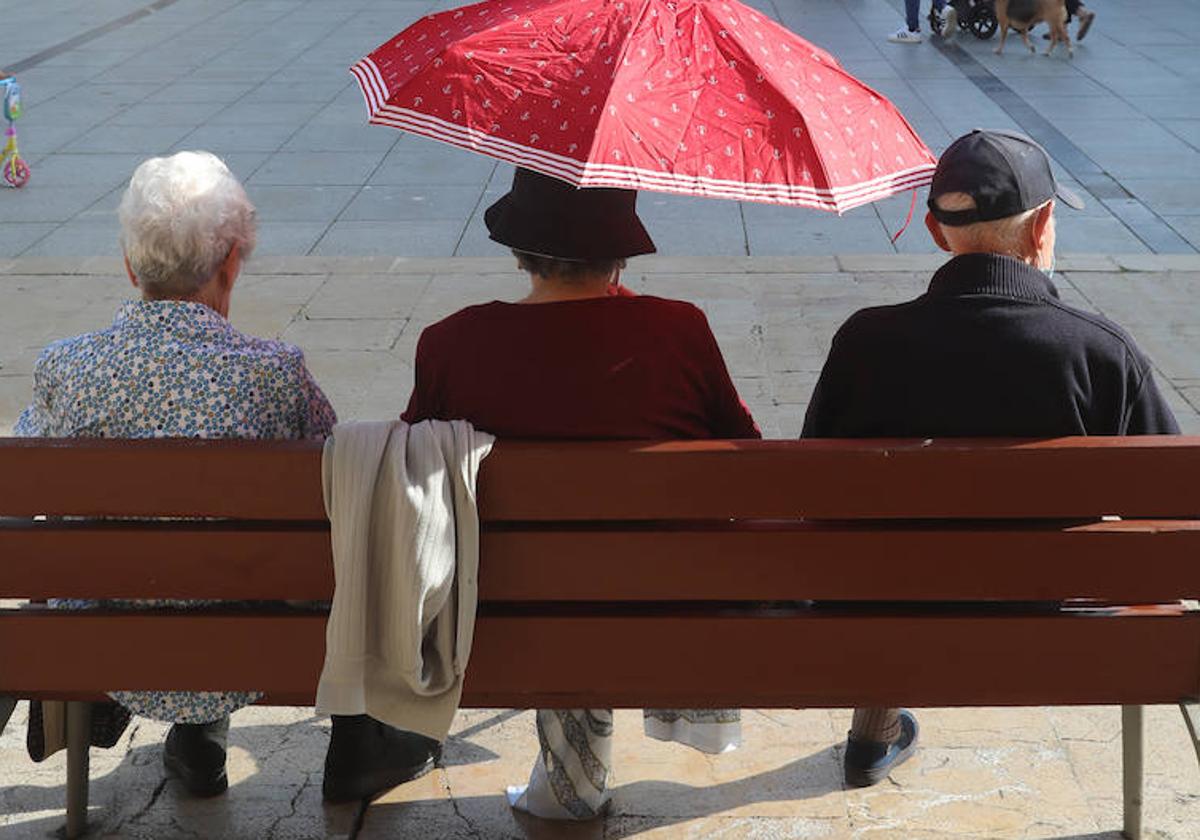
[358,319]
[982,773]
[264,83]
[1031,773]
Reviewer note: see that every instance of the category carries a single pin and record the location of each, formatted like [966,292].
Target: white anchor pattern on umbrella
[703,97]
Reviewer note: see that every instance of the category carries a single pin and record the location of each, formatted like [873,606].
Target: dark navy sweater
[988,351]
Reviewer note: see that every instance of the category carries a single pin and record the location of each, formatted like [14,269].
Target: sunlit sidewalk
[987,773]
[1020,773]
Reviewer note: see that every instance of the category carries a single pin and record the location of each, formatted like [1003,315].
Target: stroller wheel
[16,172]
[983,22]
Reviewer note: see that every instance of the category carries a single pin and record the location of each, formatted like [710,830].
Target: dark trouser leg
[912,15]
[880,739]
[879,725]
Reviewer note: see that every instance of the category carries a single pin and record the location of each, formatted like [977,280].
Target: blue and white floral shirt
[171,368]
[174,369]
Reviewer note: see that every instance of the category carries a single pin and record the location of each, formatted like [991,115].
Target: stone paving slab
[265,84]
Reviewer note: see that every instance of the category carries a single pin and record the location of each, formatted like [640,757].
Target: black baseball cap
[1004,171]
[545,216]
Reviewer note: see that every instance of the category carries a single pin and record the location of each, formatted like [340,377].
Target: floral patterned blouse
[174,369]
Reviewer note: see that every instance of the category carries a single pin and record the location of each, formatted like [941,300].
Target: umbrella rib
[608,97]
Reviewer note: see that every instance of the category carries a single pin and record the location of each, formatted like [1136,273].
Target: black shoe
[367,757]
[868,762]
[195,754]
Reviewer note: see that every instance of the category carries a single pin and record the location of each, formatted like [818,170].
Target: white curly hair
[180,218]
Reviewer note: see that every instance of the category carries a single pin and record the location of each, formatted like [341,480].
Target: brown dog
[1021,15]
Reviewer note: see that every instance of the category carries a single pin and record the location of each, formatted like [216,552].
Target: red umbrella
[702,97]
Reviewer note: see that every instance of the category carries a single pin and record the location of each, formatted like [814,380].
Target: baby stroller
[976,16]
[14,170]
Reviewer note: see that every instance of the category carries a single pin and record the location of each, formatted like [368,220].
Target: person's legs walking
[912,15]
[1076,9]
[1085,15]
[910,33]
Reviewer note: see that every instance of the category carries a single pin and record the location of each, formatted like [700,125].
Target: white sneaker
[904,36]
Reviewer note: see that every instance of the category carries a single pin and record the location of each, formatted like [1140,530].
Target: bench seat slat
[695,659]
[1069,477]
[727,561]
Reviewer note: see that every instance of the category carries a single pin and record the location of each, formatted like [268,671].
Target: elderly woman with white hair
[171,365]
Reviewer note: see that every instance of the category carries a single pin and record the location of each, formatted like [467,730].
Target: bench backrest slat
[726,561]
[1153,477]
[1072,477]
[239,479]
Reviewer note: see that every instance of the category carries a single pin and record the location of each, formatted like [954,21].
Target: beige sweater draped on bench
[405,533]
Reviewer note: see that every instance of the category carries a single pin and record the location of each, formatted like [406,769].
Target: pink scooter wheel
[16,172]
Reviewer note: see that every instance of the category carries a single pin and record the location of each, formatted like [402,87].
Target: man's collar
[991,274]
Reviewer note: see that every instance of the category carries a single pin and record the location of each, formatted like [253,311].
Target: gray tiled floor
[264,83]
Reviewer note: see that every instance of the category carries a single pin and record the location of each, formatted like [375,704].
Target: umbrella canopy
[701,97]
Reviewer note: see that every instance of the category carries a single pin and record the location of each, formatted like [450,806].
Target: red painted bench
[709,550]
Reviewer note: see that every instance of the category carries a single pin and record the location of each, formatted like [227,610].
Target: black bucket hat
[551,218]
[1004,171]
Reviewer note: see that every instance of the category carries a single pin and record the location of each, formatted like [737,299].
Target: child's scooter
[13,168]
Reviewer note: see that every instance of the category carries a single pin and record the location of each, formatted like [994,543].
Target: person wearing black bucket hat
[578,357]
[989,350]
[549,218]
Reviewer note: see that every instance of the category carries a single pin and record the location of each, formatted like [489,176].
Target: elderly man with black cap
[580,357]
[988,351]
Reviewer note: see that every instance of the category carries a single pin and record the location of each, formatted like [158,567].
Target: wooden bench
[662,560]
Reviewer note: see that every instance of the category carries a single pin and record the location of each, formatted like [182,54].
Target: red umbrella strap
[911,206]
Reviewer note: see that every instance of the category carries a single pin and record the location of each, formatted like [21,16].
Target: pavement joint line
[88,36]
[462,234]
[745,230]
[1141,221]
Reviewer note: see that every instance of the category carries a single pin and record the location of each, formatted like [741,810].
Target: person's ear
[1042,229]
[132,277]
[231,268]
[935,230]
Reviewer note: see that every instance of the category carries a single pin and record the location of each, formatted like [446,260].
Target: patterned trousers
[570,779]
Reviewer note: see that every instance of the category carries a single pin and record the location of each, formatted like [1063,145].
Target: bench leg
[7,704]
[1133,731]
[1191,716]
[79,740]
